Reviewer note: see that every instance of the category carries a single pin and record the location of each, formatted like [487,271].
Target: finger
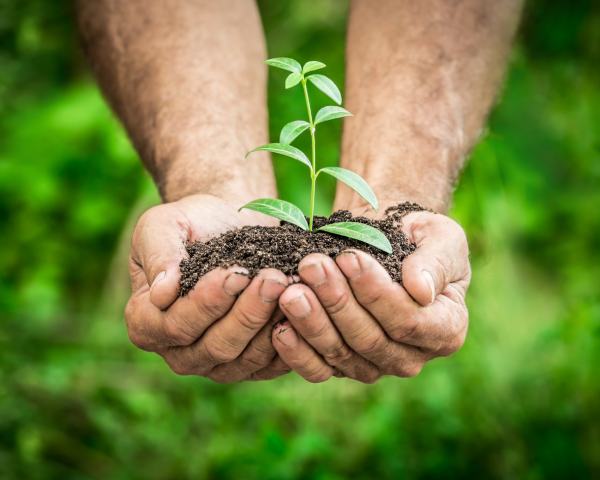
[212,297]
[226,339]
[358,327]
[275,369]
[184,322]
[299,355]
[437,328]
[441,257]
[145,323]
[312,323]
[157,248]
[258,355]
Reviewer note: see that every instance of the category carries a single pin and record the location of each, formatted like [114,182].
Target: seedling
[289,212]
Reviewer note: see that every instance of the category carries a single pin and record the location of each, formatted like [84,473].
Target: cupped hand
[222,328]
[348,318]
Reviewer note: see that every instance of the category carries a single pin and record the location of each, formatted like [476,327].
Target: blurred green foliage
[521,400]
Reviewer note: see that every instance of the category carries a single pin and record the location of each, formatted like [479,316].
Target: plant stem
[313,176]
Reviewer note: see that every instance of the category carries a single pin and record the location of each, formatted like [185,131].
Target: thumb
[157,248]
[441,257]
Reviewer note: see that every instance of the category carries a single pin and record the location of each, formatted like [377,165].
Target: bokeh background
[521,400]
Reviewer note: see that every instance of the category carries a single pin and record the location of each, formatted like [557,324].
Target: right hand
[222,328]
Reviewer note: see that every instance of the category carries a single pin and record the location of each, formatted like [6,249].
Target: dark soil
[282,247]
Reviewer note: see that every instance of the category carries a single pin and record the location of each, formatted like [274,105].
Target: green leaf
[354,181]
[293,79]
[283,149]
[312,66]
[292,130]
[361,232]
[331,113]
[280,209]
[284,63]
[326,85]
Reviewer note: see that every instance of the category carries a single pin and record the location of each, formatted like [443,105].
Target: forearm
[188,82]
[421,78]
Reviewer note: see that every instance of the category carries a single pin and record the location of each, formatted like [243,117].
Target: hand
[349,318]
[222,328]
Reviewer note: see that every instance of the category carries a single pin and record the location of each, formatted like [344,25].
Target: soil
[282,247]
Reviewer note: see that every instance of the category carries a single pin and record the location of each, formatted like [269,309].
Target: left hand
[348,318]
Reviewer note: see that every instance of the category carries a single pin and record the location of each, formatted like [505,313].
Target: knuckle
[439,269]
[179,368]
[130,310]
[137,338]
[217,354]
[175,333]
[319,376]
[408,370]
[135,332]
[250,320]
[209,308]
[402,330]
[255,358]
[368,295]
[338,354]
[453,345]
[316,330]
[338,302]
[221,377]
[457,324]
[371,344]
[370,377]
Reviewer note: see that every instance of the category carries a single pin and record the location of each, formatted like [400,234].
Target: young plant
[289,212]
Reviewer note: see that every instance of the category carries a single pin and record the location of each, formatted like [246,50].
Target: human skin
[161,65]
[421,78]
[188,82]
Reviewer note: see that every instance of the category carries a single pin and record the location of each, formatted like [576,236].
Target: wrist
[349,200]
[210,165]
[232,189]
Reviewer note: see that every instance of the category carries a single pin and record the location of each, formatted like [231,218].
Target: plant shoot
[289,212]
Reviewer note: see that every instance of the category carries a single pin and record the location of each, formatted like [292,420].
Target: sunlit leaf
[361,232]
[292,130]
[284,63]
[312,66]
[293,79]
[283,149]
[331,113]
[354,181]
[326,85]
[280,209]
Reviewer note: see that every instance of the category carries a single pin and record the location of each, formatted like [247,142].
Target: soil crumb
[282,247]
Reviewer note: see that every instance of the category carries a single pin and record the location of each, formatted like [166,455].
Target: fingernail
[314,273]
[235,283]
[287,335]
[270,289]
[429,280]
[159,278]
[299,306]
[349,264]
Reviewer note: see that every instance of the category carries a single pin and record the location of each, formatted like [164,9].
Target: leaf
[292,130]
[361,232]
[293,79]
[331,113]
[326,85]
[354,181]
[280,209]
[312,66]
[284,63]
[283,149]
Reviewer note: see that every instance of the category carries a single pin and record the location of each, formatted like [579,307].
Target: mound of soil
[282,247]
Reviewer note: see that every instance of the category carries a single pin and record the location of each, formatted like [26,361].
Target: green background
[521,400]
